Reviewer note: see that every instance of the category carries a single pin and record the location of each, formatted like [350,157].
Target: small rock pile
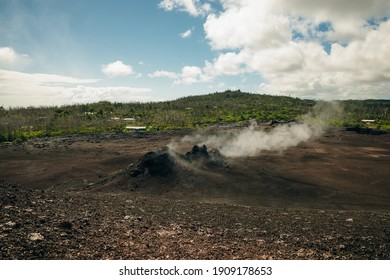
[158,163]
[197,153]
[161,163]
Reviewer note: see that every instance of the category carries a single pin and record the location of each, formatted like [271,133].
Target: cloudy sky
[55,52]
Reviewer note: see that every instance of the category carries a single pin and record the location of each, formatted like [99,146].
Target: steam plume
[252,140]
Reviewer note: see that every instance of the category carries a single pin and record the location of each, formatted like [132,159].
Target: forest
[20,124]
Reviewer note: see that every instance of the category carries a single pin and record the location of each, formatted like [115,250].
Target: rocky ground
[54,208]
[39,224]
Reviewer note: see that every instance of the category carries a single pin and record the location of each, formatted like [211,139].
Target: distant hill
[18,124]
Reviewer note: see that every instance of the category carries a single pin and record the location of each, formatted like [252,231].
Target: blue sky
[55,52]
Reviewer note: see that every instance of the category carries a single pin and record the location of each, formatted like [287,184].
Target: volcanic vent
[157,163]
[163,169]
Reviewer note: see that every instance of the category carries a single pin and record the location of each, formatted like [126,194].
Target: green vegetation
[356,110]
[19,124]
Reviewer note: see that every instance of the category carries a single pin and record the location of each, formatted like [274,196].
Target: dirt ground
[324,199]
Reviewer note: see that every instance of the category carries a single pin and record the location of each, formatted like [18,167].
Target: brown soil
[63,198]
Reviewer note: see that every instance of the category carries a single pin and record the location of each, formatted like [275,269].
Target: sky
[57,52]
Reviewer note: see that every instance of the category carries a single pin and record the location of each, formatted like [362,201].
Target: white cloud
[229,63]
[324,49]
[117,69]
[348,17]
[26,89]
[246,24]
[334,9]
[358,70]
[10,59]
[308,48]
[186,34]
[84,94]
[163,74]
[193,7]
[226,64]
[190,75]
[187,76]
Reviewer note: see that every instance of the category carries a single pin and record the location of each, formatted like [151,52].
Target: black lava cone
[159,163]
[214,158]
[197,153]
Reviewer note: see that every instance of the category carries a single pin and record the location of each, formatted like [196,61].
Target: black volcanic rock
[161,163]
[157,163]
[197,153]
[213,159]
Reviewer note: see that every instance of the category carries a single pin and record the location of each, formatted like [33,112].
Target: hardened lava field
[82,197]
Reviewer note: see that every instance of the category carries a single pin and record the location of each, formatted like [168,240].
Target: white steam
[252,140]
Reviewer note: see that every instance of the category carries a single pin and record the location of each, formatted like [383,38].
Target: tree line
[19,124]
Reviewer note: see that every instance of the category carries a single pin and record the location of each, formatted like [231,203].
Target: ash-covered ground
[125,196]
